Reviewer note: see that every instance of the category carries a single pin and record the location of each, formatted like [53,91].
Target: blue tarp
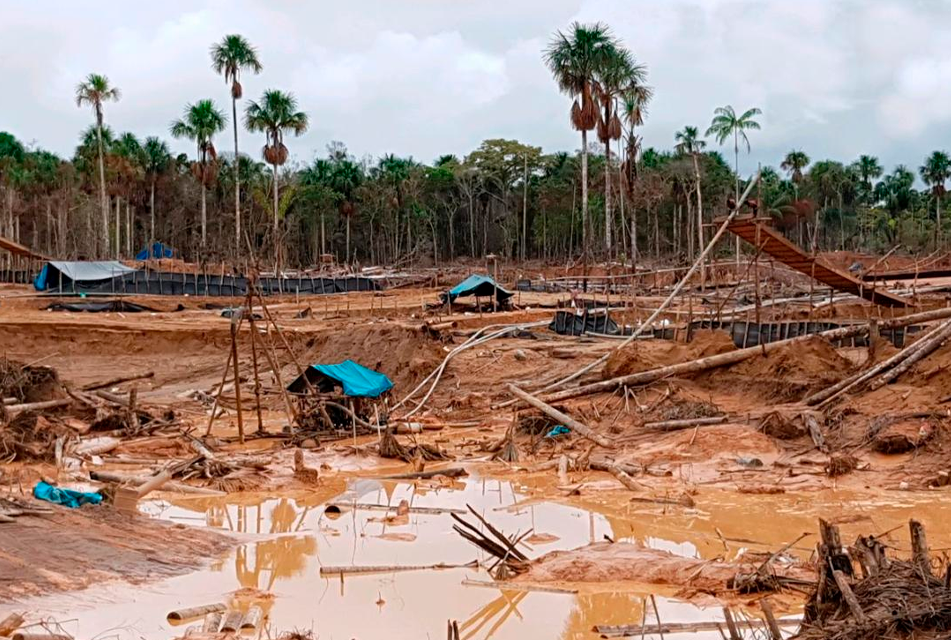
[477,285]
[88,272]
[357,381]
[159,250]
[66,497]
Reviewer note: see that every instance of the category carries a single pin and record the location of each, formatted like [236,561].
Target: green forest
[610,199]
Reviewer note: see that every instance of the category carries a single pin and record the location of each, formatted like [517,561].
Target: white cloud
[421,77]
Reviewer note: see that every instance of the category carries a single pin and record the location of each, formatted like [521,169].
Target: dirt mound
[624,562]
[28,383]
[405,355]
[647,355]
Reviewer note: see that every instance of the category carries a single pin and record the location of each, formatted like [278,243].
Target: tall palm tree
[793,164]
[868,168]
[229,58]
[273,115]
[200,122]
[690,143]
[157,161]
[935,172]
[573,59]
[618,74]
[726,123]
[94,91]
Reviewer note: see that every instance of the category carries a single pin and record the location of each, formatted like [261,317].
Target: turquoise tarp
[477,285]
[66,497]
[357,381]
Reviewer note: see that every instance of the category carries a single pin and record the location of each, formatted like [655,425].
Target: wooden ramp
[759,234]
[19,250]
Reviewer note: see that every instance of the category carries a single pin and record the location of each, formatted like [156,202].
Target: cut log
[212,622]
[827,395]
[934,342]
[676,425]
[14,409]
[180,615]
[40,636]
[117,381]
[10,624]
[451,472]
[733,357]
[232,621]
[154,483]
[624,479]
[96,446]
[849,596]
[919,547]
[565,419]
[252,619]
[775,633]
[110,476]
[363,506]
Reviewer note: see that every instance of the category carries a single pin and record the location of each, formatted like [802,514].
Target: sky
[834,78]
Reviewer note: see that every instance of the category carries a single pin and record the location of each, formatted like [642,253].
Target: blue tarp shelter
[357,381]
[78,275]
[477,285]
[159,250]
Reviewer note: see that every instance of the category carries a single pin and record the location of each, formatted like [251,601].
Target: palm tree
[275,113]
[868,169]
[793,164]
[618,74]
[574,58]
[935,172]
[726,123]
[200,122]
[690,143]
[94,91]
[157,160]
[229,58]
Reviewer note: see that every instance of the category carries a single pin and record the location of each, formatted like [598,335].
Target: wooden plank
[793,256]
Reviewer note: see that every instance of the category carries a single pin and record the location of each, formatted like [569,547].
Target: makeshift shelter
[356,380]
[159,250]
[76,276]
[479,286]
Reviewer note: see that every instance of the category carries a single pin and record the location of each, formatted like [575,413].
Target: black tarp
[106,306]
[569,323]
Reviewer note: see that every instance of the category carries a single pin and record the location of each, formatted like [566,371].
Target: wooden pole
[237,378]
[568,421]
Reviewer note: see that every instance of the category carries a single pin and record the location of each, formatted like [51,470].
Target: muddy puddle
[286,539]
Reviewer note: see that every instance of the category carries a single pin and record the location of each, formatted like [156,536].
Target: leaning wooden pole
[237,378]
[670,298]
[568,421]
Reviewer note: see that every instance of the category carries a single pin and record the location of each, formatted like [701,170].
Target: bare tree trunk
[472,225]
[237,180]
[525,211]
[151,216]
[118,235]
[348,239]
[276,222]
[204,213]
[128,229]
[102,193]
[700,245]
[585,239]
[736,155]
[608,211]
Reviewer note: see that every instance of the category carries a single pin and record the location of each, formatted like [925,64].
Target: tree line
[610,199]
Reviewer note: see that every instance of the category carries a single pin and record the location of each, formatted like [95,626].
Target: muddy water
[286,539]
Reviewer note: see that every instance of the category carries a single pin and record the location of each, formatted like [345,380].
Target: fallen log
[620,631]
[579,428]
[733,357]
[232,621]
[934,342]
[252,619]
[385,507]
[10,624]
[677,425]
[110,476]
[40,636]
[95,446]
[212,622]
[451,472]
[354,570]
[154,483]
[516,586]
[180,615]
[14,409]
[117,381]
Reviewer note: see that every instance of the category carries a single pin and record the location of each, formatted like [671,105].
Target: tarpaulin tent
[78,275]
[357,381]
[477,285]
[159,250]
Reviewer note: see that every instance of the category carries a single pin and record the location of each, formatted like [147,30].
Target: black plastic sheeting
[568,323]
[751,334]
[108,306]
[179,284]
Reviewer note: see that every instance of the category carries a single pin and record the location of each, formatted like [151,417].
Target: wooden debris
[358,570]
[579,428]
[180,615]
[10,624]
[252,619]
[677,425]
